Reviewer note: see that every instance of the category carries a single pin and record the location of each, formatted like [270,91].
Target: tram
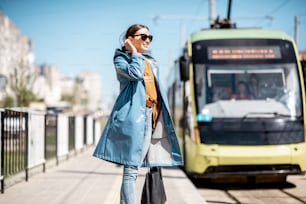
[238,102]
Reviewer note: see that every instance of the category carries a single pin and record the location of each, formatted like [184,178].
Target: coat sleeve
[130,69]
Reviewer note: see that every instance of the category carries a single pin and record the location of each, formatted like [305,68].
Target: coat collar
[124,52]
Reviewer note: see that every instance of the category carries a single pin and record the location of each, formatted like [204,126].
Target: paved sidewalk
[87,180]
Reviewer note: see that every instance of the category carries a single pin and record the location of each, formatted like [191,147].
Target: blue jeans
[130,173]
[128,187]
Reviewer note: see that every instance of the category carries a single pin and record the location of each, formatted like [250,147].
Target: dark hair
[133,29]
[242,83]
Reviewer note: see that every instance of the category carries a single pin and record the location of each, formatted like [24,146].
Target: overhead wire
[197,12]
[279,7]
[302,15]
[276,9]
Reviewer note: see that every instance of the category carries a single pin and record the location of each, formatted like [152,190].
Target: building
[48,84]
[83,90]
[16,52]
[91,90]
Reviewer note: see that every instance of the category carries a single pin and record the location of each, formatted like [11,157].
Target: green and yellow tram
[238,103]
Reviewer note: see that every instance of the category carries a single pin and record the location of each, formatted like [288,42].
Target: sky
[82,35]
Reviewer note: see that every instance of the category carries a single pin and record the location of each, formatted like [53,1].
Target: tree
[7,101]
[21,83]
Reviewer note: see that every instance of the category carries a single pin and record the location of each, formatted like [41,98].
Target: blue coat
[123,136]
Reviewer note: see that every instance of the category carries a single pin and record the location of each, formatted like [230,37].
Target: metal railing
[30,139]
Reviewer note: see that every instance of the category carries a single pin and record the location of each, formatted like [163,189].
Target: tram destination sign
[244,52]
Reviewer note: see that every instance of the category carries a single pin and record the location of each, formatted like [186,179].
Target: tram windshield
[239,91]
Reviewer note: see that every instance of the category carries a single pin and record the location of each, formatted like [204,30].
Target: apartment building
[16,52]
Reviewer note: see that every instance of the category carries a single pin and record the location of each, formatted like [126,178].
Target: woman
[254,87]
[139,132]
[242,92]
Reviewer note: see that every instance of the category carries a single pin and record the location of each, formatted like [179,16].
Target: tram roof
[214,34]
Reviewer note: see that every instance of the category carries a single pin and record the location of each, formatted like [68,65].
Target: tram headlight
[204,116]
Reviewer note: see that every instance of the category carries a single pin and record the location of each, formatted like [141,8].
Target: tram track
[289,198]
[297,199]
[292,191]
[232,197]
[293,196]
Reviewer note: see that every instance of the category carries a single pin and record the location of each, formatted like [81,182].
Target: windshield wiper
[273,114]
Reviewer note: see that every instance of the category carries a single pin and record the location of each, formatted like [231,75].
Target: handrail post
[26,159]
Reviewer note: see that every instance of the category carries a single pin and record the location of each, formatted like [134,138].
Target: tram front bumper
[250,160]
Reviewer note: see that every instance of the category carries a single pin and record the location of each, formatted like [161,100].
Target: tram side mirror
[184,68]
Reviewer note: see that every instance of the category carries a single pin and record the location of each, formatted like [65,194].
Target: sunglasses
[144,37]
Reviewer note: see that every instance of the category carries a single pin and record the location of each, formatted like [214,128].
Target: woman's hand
[129,46]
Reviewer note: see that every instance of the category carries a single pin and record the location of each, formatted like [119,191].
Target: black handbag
[153,191]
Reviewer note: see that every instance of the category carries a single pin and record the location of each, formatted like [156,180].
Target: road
[292,191]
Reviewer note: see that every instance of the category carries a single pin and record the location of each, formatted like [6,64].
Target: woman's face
[241,88]
[138,42]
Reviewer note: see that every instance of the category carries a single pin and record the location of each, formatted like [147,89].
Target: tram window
[271,85]
[221,93]
[259,84]
[200,82]
[272,88]
[220,86]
